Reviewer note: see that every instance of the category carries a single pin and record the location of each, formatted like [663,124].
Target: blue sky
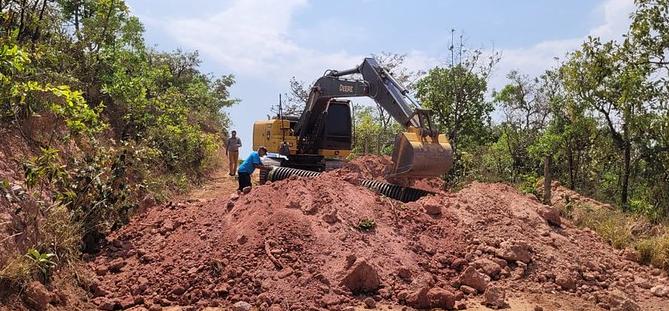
[266,42]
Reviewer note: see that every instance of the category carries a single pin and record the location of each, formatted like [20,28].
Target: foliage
[115,122]
[42,261]
[366,224]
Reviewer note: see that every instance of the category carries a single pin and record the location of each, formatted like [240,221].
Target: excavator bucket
[415,156]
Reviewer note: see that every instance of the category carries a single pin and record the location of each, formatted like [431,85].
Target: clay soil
[325,243]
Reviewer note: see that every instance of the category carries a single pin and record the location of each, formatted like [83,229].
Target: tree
[295,99]
[456,94]
[609,79]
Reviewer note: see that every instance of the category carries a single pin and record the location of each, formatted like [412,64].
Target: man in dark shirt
[232,151]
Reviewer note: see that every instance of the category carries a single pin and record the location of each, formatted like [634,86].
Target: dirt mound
[376,167]
[325,243]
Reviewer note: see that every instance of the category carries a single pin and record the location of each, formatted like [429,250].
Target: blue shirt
[248,166]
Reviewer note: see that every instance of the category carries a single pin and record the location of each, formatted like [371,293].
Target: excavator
[322,136]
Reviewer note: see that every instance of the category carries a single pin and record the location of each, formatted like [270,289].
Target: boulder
[37,296]
[468,290]
[426,298]
[514,251]
[474,279]
[370,303]
[432,209]
[495,297]
[659,291]
[488,267]
[551,214]
[566,280]
[241,306]
[116,265]
[361,278]
[441,298]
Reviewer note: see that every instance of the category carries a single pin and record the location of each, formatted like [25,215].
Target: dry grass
[623,230]
[57,234]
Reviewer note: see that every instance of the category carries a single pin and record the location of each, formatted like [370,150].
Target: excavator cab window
[338,127]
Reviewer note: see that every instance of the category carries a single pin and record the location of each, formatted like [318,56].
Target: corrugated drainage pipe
[404,194]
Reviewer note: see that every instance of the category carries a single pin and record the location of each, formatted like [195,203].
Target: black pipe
[404,194]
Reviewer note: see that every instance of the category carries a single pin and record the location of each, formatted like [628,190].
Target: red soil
[296,244]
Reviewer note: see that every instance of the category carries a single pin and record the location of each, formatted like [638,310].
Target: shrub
[366,224]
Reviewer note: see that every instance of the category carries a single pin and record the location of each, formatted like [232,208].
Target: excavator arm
[420,151]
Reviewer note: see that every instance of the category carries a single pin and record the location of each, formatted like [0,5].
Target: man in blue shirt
[248,166]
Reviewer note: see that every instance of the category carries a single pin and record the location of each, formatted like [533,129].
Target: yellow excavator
[322,136]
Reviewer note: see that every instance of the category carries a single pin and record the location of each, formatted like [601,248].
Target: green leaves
[41,260]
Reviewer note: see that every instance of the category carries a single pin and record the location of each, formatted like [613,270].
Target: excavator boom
[420,151]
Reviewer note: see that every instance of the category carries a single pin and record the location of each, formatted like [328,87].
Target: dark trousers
[244,180]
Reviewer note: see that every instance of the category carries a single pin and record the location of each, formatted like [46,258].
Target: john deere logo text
[346,88]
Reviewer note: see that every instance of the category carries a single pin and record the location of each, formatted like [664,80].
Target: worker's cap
[262,148]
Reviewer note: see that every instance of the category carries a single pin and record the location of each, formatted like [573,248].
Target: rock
[626,305]
[116,265]
[242,305]
[100,270]
[659,291]
[350,260]
[234,197]
[331,300]
[246,190]
[294,204]
[551,214]
[426,298]
[538,308]
[643,283]
[468,290]
[474,279]
[432,209]
[441,298]
[104,303]
[178,290]
[98,290]
[370,303]
[458,264]
[37,296]
[565,280]
[362,278]
[242,239]
[488,267]
[630,254]
[514,251]
[404,273]
[419,299]
[331,218]
[127,302]
[275,308]
[168,226]
[495,297]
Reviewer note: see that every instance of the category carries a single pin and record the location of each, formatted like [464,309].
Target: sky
[264,43]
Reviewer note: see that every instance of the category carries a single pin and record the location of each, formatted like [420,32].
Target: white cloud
[256,38]
[539,57]
[253,38]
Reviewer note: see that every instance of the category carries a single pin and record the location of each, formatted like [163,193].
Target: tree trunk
[570,160]
[548,179]
[626,176]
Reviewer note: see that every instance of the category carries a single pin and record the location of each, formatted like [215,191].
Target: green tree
[609,79]
[456,95]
